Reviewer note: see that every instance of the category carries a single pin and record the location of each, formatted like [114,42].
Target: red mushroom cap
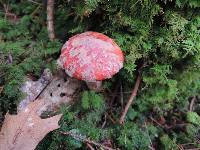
[91,56]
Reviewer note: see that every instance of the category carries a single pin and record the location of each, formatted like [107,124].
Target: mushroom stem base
[96,85]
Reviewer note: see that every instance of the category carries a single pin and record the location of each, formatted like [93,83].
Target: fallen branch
[86,140]
[50,19]
[133,94]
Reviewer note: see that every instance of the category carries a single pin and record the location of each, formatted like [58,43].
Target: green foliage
[131,137]
[168,143]
[91,100]
[193,118]
[91,5]
[191,3]
[192,131]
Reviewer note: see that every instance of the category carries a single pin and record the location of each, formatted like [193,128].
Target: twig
[192,104]
[8,15]
[104,123]
[2,75]
[114,95]
[10,59]
[6,10]
[151,148]
[50,19]
[121,96]
[179,146]
[112,120]
[188,144]
[87,140]
[168,127]
[1,89]
[34,2]
[133,94]
[90,146]
[34,12]
[156,122]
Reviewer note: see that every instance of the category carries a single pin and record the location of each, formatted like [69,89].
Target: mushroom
[92,57]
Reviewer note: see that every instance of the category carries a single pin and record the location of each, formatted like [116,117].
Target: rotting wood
[55,90]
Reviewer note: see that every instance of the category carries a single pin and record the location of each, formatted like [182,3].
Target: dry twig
[181,125]
[8,15]
[1,89]
[34,2]
[156,122]
[50,19]
[115,94]
[192,104]
[133,94]
[104,123]
[112,120]
[90,146]
[121,96]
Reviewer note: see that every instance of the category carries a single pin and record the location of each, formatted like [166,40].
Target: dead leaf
[26,129]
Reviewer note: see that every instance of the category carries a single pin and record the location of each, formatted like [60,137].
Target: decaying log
[55,90]
[61,90]
[32,89]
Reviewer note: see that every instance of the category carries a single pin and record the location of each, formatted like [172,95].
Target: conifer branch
[50,19]
[133,94]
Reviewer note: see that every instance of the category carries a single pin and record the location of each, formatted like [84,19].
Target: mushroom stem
[96,85]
